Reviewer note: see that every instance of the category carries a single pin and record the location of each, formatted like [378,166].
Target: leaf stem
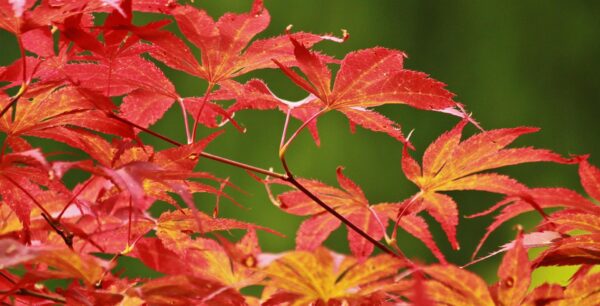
[285,127]
[209,88]
[189,138]
[285,146]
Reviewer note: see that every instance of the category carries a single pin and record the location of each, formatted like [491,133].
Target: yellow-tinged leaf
[74,265]
[176,224]
[584,291]
[326,276]
[514,274]
[456,284]
[450,164]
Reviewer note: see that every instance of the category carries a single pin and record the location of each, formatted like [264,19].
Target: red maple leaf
[368,78]
[451,164]
[349,201]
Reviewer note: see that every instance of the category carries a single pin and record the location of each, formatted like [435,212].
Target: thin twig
[36,294]
[286,177]
[340,217]
[204,100]
[204,154]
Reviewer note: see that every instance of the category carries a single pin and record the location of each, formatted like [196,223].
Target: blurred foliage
[512,63]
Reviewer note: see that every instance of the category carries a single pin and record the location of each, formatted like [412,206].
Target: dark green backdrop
[512,63]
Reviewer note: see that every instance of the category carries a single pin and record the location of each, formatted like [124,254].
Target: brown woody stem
[204,154]
[28,292]
[290,178]
[329,209]
[36,294]
[56,226]
[286,177]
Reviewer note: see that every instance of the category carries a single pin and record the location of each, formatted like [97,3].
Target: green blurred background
[511,63]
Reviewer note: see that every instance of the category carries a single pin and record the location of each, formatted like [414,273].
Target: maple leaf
[23,175]
[68,264]
[544,295]
[173,227]
[590,178]
[225,44]
[572,249]
[582,291]
[349,201]
[57,108]
[451,164]
[369,78]
[230,264]
[454,286]
[11,14]
[256,95]
[543,198]
[186,290]
[514,275]
[145,175]
[577,213]
[321,276]
[451,285]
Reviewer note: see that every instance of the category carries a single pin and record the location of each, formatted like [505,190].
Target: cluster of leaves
[95,87]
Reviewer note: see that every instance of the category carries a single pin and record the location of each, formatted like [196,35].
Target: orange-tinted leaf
[326,277]
[206,258]
[59,108]
[225,47]
[514,275]
[187,290]
[590,179]
[451,285]
[172,225]
[581,249]
[543,198]
[573,220]
[449,164]
[544,295]
[416,226]
[444,210]
[244,251]
[67,263]
[583,291]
